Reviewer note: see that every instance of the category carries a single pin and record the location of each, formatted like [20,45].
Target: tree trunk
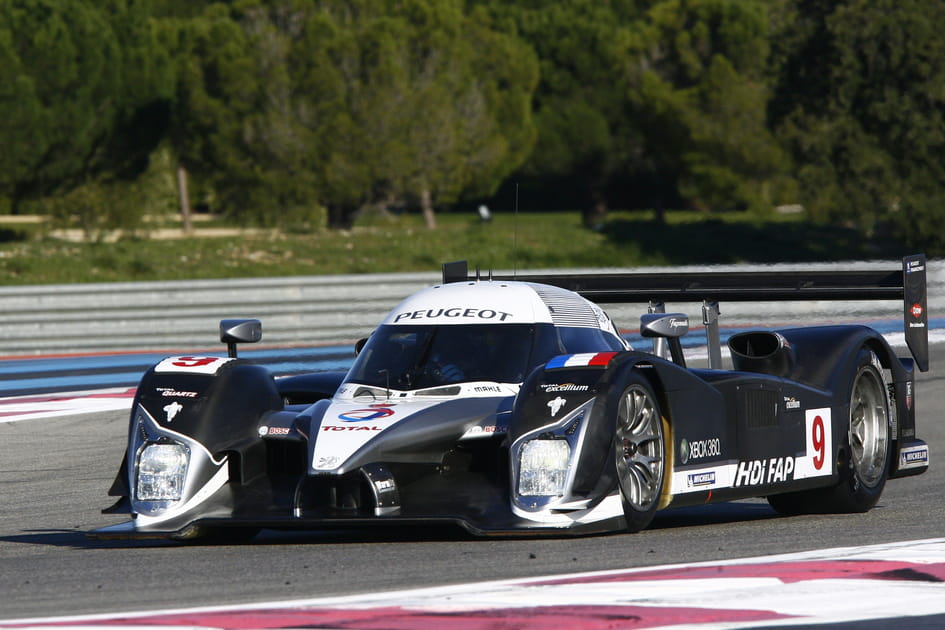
[183,197]
[596,214]
[426,204]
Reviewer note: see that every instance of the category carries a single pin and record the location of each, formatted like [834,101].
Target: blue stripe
[558,361]
[45,375]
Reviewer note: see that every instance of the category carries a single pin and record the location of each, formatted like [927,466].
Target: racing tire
[204,535]
[640,453]
[864,460]
[868,440]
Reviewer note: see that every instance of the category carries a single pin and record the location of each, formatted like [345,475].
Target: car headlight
[543,467]
[162,469]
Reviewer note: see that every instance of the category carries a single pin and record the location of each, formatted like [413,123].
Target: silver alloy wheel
[868,427]
[640,457]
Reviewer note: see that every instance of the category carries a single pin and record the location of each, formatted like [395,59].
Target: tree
[413,101]
[80,84]
[860,103]
[584,136]
[695,73]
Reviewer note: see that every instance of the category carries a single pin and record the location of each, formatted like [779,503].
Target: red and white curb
[17,408]
[893,582]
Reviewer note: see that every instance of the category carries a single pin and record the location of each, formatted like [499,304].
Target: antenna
[515,236]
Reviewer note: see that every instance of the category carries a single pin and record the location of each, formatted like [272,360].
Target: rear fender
[826,357]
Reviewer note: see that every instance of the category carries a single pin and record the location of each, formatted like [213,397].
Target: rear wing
[906,284]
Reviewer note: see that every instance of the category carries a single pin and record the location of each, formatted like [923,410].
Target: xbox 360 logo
[684,451]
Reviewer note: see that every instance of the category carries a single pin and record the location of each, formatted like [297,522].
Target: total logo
[374,412]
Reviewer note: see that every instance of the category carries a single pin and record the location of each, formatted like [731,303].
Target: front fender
[209,405]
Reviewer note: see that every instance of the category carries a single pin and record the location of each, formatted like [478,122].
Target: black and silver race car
[515,405]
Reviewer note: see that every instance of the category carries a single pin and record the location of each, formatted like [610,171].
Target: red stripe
[787,572]
[602,358]
[396,618]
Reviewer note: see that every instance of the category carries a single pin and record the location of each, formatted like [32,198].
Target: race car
[514,404]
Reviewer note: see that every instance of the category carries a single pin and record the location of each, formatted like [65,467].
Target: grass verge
[401,243]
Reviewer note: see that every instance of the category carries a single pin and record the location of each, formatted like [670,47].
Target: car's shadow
[735,512]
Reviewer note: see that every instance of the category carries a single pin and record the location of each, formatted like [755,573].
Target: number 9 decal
[817,440]
[818,445]
[192,365]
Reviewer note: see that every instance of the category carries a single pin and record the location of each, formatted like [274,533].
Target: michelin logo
[914,457]
[696,480]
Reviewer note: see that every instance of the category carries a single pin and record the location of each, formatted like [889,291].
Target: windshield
[417,357]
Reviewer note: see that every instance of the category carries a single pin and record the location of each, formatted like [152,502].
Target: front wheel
[640,453]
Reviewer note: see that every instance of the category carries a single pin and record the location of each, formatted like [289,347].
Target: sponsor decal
[553,388]
[360,427]
[678,323]
[916,310]
[699,449]
[264,431]
[556,405]
[790,402]
[375,412]
[468,313]
[909,395]
[914,456]
[167,392]
[327,462]
[172,410]
[764,471]
[696,480]
[384,485]
[914,265]
[487,388]
[484,431]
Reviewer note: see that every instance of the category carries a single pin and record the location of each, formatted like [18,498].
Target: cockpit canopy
[480,331]
[410,358]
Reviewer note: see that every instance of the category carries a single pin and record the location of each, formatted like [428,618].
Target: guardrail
[129,316]
[307,310]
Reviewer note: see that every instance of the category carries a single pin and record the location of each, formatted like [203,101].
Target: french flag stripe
[589,359]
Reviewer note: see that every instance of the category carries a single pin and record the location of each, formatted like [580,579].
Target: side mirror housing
[667,325]
[234,331]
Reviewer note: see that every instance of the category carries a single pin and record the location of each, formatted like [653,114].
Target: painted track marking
[834,586]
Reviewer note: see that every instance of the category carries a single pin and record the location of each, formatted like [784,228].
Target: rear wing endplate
[907,284]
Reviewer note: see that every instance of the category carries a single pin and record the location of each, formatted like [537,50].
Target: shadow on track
[735,512]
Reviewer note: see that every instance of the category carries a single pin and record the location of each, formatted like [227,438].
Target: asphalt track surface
[54,474]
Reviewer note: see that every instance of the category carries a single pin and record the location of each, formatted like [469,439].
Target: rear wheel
[864,461]
[640,453]
[868,440]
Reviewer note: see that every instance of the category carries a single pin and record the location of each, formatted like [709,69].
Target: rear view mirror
[234,331]
[670,325]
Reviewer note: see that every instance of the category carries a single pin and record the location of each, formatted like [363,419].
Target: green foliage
[695,73]
[861,104]
[584,135]
[297,114]
[529,240]
[77,81]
